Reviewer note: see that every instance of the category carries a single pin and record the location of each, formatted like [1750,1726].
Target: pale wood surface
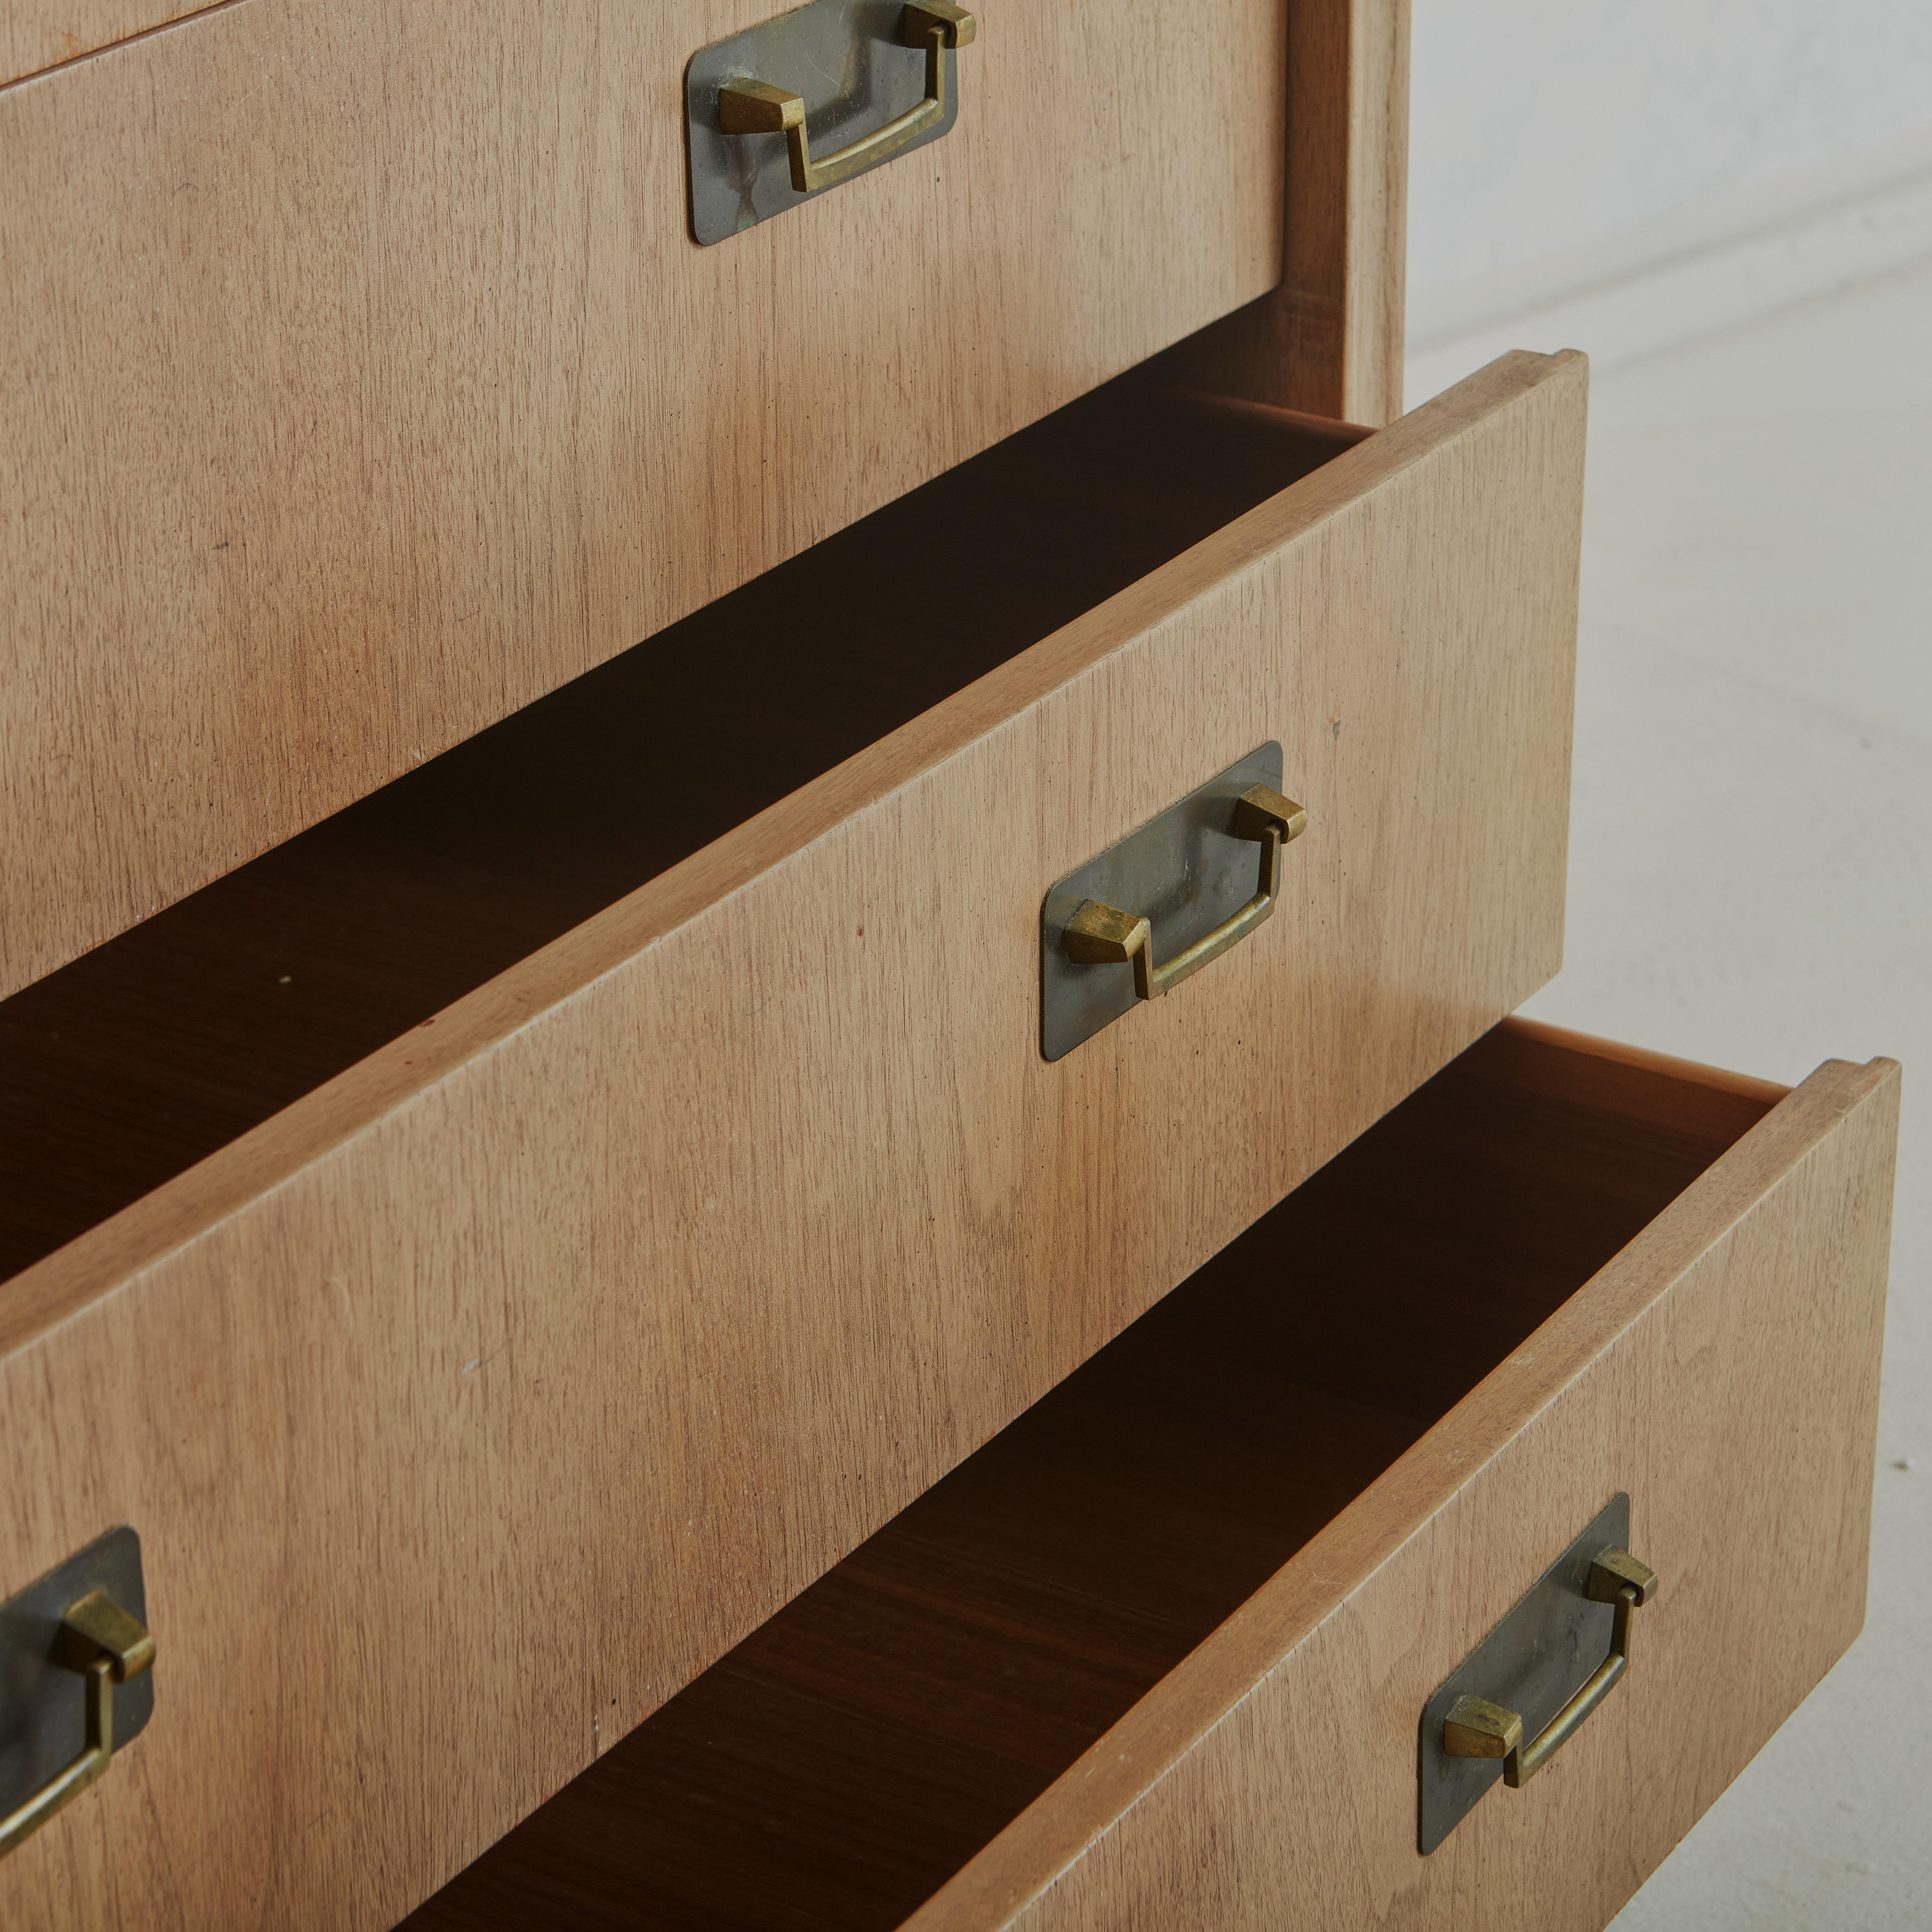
[125,1068]
[1724,1370]
[471,1406]
[1328,337]
[1747,1085]
[363,383]
[847,1758]
[37,34]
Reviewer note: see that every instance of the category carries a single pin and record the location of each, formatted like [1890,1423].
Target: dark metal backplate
[42,1714]
[1533,1662]
[1184,871]
[843,58]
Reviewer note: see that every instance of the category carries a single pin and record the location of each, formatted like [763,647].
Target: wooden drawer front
[37,34]
[552,1347]
[1724,1369]
[366,384]
[1428,1369]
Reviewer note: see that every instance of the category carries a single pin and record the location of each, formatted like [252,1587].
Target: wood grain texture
[551,1348]
[848,1757]
[363,383]
[130,1064]
[1328,337]
[38,33]
[1724,1368]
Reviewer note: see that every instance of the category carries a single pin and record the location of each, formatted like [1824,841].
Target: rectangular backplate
[42,1715]
[843,59]
[1184,871]
[1533,1662]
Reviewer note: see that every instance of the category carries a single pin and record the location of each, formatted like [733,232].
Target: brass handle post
[1474,1727]
[1102,935]
[107,1646]
[757,107]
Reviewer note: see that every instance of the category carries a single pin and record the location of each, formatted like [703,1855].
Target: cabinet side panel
[1328,339]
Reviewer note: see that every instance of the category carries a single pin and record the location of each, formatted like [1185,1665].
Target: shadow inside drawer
[834,1770]
[128,1065]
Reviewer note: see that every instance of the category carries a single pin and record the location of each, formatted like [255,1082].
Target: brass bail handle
[1102,935]
[757,107]
[107,1646]
[1476,1728]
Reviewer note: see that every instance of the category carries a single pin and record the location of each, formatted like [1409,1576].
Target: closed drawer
[365,383]
[551,1347]
[1156,1655]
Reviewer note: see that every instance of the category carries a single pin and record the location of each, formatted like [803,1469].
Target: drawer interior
[126,1067]
[843,1761]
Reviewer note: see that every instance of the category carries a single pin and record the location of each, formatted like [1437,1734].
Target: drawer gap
[125,1068]
[838,1765]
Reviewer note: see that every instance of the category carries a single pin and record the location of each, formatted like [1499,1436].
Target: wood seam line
[73,61]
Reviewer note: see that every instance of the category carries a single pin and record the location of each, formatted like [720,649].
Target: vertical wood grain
[39,33]
[471,1406]
[1724,1369]
[847,1758]
[123,1068]
[1328,337]
[363,383]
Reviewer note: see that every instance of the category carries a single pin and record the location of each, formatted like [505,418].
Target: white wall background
[1730,206]
[1538,127]
[1555,147]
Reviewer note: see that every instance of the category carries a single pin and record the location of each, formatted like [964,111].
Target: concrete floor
[1751,885]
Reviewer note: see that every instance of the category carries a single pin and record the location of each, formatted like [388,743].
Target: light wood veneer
[39,33]
[1155,1656]
[123,1068]
[546,1351]
[1328,337]
[1724,1368]
[363,383]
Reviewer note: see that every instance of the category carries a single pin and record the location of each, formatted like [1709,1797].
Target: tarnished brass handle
[107,1646]
[1476,1728]
[757,107]
[1101,935]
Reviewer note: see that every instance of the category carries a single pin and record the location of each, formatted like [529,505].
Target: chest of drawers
[533,1182]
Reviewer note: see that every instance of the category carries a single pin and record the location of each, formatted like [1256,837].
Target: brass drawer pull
[1099,935]
[1474,1727]
[757,107]
[107,1646]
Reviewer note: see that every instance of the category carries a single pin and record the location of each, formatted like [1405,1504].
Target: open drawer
[364,381]
[1157,1655]
[519,1234]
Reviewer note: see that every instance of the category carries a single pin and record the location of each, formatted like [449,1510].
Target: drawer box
[367,385]
[1155,1656]
[549,1349]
